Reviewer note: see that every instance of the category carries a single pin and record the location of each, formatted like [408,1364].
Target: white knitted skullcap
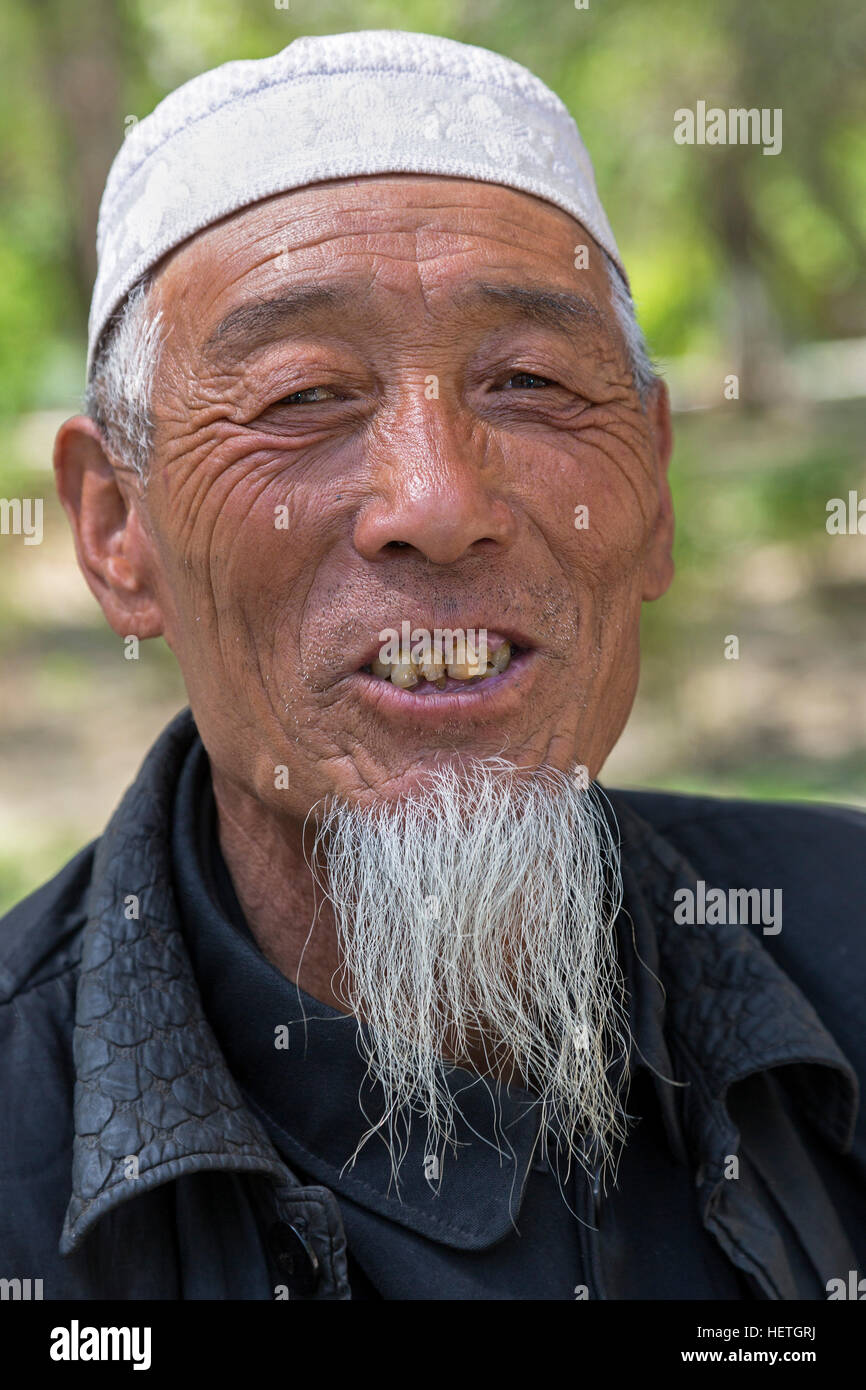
[374,102]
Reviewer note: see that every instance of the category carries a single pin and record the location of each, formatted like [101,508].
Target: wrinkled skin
[449,511]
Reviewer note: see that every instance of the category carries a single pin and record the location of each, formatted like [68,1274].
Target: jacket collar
[731,1011]
[154,1098]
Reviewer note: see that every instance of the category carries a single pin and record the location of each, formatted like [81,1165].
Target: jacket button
[294,1257]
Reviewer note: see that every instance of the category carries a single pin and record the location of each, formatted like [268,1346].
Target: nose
[437,487]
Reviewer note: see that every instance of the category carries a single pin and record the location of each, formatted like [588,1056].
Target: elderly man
[368,990]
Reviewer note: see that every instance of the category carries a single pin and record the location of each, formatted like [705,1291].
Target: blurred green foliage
[693,222]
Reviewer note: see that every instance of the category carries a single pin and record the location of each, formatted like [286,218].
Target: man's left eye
[309,396]
[526,381]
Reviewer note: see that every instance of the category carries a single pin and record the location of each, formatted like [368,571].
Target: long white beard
[475,918]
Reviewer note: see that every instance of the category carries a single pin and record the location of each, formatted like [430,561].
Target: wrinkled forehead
[430,242]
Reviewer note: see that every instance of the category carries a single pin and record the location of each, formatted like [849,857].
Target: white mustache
[478,913]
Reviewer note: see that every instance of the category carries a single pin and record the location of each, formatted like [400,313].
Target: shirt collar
[312,1089]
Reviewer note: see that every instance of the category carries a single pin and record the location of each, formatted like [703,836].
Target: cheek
[240,548]
[593,501]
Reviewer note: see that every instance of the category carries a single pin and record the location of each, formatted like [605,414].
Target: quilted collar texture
[154,1098]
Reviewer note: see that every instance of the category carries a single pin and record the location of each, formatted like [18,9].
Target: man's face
[365,419]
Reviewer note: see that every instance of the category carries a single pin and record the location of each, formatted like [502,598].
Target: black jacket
[130,1166]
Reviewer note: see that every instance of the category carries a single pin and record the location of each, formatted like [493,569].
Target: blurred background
[742,264]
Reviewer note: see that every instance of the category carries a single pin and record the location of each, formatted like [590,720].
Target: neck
[277,893]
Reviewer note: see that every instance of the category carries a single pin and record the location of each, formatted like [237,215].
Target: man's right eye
[309,396]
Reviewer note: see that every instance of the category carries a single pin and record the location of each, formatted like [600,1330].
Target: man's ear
[659,566]
[114,551]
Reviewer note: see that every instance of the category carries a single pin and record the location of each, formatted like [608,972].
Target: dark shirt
[500,1222]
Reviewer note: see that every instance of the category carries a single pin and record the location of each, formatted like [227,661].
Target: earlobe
[110,542]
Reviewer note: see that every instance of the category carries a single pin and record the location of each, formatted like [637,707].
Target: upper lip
[511,634]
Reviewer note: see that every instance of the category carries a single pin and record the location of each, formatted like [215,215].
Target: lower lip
[493,698]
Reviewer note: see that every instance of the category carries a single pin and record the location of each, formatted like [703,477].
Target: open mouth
[440,677]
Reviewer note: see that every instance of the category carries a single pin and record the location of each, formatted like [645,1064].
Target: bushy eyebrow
[261,320]
[562,310]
